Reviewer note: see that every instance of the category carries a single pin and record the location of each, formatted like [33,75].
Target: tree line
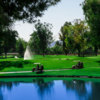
[13,10]
[77,37]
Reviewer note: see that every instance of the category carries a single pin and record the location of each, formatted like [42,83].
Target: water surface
[44,89]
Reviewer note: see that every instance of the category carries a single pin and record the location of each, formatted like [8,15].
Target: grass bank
[46,79]
[91,65]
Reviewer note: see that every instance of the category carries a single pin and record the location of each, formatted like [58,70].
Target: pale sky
[66,10]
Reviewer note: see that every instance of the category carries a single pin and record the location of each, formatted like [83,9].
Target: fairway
[55,62]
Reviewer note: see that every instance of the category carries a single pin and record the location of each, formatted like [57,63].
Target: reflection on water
[41,89]
[8,86]
[80,89]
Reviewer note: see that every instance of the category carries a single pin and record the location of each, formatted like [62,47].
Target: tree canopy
[41,38]
[21,46]
[62,35]
[92,14]
[25,9]
[12,10]
[77,37]
[8,41]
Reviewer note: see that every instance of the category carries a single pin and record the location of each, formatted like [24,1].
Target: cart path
[31,71]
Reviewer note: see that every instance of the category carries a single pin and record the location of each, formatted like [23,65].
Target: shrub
[6,64]
[17,64]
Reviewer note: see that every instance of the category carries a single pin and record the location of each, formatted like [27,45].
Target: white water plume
[28,54]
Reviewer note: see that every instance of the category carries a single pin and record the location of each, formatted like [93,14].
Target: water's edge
[32,76]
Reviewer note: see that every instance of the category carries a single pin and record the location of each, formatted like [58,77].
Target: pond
[49,89]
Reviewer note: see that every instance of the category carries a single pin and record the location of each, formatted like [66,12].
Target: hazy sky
[66,10]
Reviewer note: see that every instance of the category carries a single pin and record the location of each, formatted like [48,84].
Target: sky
[66,10]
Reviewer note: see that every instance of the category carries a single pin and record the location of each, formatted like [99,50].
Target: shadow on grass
[98,62]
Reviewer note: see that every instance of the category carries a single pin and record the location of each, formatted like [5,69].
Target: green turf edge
[46,79]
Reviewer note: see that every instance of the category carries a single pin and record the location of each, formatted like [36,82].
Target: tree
[92,15]
[77,37]
[41,38]
[62,35]
[80,36]
[8,40]
[7,35]
[57,49]
[25,9]
[21,49]
[21,46]
[69,39]
[34,43]
[5,23]
[1,49]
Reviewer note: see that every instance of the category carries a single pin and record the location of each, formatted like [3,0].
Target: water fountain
[28,54]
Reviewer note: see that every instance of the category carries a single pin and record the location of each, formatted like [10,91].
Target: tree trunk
[66,51]
[64,48]
[2,56]
[96,50]
[43,54]
[83,54]
[5,54]
[79,52]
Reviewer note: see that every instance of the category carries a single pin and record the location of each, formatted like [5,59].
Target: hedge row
[18,64]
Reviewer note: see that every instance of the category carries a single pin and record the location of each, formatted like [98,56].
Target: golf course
[54,65]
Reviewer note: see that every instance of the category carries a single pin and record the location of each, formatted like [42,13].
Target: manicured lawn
[46,79]
[91,65]
[81,72]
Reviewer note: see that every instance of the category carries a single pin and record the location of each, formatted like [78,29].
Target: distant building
[13,54]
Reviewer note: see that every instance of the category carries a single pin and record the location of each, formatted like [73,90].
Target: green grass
[91,65]
[46,79]
[81,72]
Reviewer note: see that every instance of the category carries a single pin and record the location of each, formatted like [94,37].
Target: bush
[6,64]
[26,62]
[17,64]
